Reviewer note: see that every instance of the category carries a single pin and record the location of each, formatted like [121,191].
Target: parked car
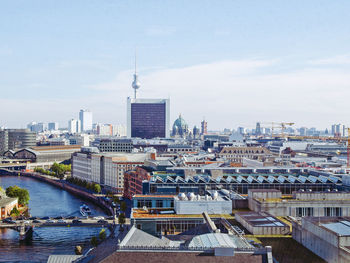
[101,221]
[50,221]
[58,217]
[36,221]
[76,221]
[9,221]
[99,217]
[32,218]
[26,222]
[62,221]
[45,218]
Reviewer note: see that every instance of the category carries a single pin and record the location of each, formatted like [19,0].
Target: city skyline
[261,62]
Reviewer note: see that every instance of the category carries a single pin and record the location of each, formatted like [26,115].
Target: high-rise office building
[53,126]
[74,126]
[148,118]
[85,117]
[204,127]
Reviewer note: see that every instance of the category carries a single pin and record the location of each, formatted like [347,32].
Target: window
[333,211]
[304,211]
[159,203]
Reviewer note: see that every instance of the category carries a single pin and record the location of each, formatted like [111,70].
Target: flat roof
[261,219]
[341,228]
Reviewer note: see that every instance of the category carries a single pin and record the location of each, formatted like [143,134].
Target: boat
[85,210]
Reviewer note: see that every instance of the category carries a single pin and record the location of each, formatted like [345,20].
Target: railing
[181,248]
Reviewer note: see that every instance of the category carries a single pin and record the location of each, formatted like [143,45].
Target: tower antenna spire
[135,84]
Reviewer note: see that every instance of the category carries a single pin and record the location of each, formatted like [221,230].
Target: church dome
[180,126]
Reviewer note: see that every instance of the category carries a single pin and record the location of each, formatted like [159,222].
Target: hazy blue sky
[234,62]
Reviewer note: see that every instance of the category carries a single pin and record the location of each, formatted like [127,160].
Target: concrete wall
[200,206]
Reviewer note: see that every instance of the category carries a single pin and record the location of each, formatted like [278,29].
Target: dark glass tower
[148,118]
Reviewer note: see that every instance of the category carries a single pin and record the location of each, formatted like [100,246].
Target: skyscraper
[85,117]
[74,126]
[148,118]
[204,127]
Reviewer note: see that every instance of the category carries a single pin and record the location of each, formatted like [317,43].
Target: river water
[46,200]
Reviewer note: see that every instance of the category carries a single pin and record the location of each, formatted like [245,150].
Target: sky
[231,62]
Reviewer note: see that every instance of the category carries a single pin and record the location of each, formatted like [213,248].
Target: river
[46,200]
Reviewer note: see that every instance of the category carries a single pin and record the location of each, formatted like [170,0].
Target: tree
[21,193]
[123,206]
[97,188]
[102,235]
[121,219]
[15,211]
[94,241]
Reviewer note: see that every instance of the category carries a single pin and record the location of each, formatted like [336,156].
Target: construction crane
[281,125]
[348,149]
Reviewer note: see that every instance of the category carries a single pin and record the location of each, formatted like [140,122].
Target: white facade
[85,117]
[105,169]
[195,204]
[74,126]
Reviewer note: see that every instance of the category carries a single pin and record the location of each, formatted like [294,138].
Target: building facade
[106,169]
[85,117]
[116,145]
[21,138]
[148,118]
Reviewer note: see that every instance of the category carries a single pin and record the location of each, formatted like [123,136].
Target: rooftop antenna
[135,84]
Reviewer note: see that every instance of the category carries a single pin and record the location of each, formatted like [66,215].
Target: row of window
[309,211]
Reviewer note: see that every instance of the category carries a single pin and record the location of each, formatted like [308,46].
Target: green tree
[15,211]
[94,241]
[123,206]
[21,193]
[121,219]
[102,235]
[97,188]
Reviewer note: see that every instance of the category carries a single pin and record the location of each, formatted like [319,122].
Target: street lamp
[114,215]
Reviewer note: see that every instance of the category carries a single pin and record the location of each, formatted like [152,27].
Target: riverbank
[65,186]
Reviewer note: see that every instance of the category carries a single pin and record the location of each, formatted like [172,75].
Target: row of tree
[57,170]
[101,236]
[21,193]
[88,185]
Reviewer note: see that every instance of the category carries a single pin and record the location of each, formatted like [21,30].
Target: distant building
[4,141]
[37,127]
[180,128]
[116,145]
[258,129]
[53,126]
[236,154]
[104,129]
[74,126]
[204,127]
[20,138]
[148,118]
[85,117]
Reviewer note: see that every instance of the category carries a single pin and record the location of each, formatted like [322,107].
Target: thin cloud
[336,60]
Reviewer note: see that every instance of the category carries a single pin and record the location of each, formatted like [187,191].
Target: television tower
[135,84]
